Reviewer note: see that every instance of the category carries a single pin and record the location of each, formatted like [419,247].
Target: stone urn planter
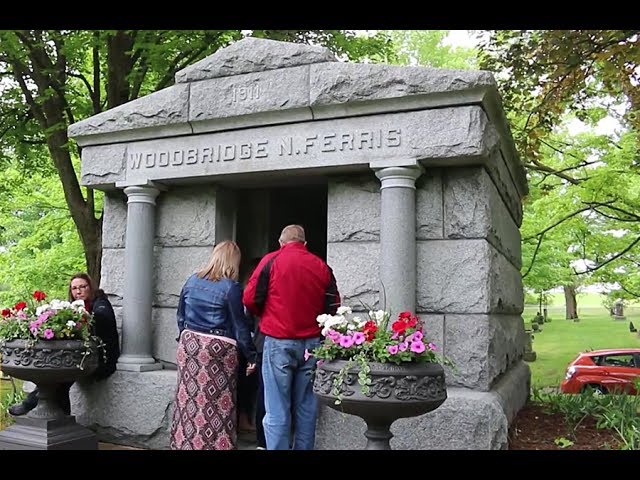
[396,391]
[48,363]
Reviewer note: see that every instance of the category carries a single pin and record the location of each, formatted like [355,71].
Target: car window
[621,360]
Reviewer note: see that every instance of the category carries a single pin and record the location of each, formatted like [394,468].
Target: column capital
[403,177]
[141,194]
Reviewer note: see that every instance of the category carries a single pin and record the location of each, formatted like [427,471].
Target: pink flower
[334,336]
[392,349]
[417,336]
[402,346]
[44,316]
[395,336]
[359,338]
[307,354]
[319,363]
[432,347]
[48,334]
[346,341]
[417,347]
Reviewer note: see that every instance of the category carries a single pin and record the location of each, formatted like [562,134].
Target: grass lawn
[561,340]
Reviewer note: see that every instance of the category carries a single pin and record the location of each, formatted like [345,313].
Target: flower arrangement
[361,341]
[36,320]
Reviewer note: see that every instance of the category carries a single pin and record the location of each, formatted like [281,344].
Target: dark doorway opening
[263,213]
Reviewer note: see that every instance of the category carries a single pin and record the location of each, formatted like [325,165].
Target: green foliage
[563,442]
[9,395]
[581,217]
[39,245]
[617,412]
[427,48]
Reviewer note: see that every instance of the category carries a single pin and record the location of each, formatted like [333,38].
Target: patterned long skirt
[204,416]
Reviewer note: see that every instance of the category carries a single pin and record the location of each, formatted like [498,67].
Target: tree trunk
[571,304]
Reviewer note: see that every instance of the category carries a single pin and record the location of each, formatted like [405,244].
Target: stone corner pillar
[137,336]
[398,235]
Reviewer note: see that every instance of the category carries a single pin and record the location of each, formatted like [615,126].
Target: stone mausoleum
[403,177]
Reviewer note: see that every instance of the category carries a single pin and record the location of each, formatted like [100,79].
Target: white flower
[60,304]
[71,324]
[344,310]
[379,316]
[321,319]
[78,306]
[359,322]
[41,309]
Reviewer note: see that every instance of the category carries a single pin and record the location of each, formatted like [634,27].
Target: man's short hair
[292,233]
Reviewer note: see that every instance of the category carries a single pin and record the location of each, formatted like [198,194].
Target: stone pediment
[254,55]
[267,89]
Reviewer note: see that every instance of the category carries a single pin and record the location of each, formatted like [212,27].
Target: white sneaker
[260,448]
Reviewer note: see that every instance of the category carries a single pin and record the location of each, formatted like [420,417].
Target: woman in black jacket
[81,287]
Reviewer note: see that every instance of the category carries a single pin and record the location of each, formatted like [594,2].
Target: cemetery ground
[550,420]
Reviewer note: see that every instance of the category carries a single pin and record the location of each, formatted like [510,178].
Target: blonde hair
[292,233]
[224,262]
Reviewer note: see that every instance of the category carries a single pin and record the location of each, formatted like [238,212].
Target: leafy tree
[53,78]
[548,78]
[40,245]
[427,48]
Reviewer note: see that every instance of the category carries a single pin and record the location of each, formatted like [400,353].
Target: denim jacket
[216,307]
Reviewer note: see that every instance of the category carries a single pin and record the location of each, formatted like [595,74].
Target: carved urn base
[396,391]
[48,363]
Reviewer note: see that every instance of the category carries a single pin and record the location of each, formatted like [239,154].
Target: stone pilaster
[398,237]
[138,281]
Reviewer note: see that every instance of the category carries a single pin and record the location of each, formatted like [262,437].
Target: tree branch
[535,253]
[563,219]
[616,256]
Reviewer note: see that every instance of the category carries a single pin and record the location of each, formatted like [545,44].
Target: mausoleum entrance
[262,213]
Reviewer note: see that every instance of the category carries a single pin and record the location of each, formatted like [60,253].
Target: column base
[45,434]
[139,367]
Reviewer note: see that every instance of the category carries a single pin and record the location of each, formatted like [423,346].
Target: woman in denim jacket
[212,327]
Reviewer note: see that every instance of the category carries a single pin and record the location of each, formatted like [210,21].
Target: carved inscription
[246,93]
[286,146]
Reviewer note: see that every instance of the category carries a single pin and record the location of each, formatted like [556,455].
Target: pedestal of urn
[48,364]
[396,391]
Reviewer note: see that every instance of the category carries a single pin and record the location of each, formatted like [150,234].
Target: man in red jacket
[288,289]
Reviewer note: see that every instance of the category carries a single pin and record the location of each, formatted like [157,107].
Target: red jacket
[288,289]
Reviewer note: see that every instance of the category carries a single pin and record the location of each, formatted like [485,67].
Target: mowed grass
[561,340]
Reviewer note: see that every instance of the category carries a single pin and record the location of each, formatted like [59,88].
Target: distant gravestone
[618,310]
[529,354]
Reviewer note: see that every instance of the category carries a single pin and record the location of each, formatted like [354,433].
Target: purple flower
[334,336]
[48,334]
[359,338]
[44,316]
[417,347]
[417,336]
[402,346]
[346,341]
[392,349]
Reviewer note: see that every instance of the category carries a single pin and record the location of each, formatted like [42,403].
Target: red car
[612,370]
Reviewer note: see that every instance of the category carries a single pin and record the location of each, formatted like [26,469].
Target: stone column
[138,281]
[398,237]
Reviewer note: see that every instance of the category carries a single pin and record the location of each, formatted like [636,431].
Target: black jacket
[104,325]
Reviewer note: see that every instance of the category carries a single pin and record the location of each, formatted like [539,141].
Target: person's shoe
[260,448]
[19,409]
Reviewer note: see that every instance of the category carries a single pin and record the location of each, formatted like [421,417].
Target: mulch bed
[536,429]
